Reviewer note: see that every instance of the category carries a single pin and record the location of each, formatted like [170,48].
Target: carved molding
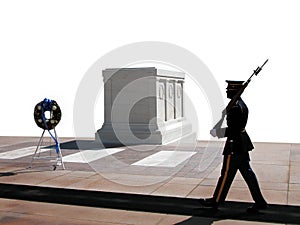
[161,91]
[171,90]
[179,91]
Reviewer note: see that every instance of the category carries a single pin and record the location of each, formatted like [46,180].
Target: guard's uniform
[236,156]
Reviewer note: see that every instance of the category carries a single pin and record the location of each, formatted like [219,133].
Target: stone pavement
[140,184]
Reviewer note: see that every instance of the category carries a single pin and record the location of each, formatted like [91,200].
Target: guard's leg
[228,172]
[251,180]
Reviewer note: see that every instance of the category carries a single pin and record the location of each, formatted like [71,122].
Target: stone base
[120,135]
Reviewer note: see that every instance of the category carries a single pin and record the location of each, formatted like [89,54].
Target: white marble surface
[19,153]
[165,159]
[86,156]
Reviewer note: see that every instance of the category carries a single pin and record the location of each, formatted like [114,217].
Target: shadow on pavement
[84,145]
[198,220]
[6,174]
[282,214]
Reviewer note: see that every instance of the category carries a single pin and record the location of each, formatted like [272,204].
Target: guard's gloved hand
[213,132]
[220,133]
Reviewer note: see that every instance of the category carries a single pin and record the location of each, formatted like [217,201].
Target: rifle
[238,95]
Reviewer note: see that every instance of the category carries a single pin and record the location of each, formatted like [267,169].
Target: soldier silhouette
[236,154]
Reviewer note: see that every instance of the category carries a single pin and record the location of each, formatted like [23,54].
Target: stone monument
[142,106]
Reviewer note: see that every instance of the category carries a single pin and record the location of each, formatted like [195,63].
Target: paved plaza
[140,184]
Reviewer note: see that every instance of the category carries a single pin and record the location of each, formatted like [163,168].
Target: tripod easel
[58,159]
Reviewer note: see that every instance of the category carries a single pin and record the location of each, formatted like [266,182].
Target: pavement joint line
[52,178]
[289,175]
[148,203]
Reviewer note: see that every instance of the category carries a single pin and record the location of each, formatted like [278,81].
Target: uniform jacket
[238,140]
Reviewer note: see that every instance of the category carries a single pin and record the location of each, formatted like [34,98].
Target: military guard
[236,153]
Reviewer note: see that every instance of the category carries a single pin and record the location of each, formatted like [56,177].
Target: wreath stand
[57,159]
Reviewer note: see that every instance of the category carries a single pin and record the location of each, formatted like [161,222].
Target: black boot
[256,207]
[208,202]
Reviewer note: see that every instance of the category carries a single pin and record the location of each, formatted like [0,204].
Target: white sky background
[47,46]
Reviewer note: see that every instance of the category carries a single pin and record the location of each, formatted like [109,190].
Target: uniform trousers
[231,164]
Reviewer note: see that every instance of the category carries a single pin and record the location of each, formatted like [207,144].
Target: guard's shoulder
[240,102]
[238,106]
[242,105]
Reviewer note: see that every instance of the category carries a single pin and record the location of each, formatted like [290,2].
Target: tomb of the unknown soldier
[143,106]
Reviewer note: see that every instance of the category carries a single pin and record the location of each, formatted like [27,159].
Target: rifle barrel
[264,63]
